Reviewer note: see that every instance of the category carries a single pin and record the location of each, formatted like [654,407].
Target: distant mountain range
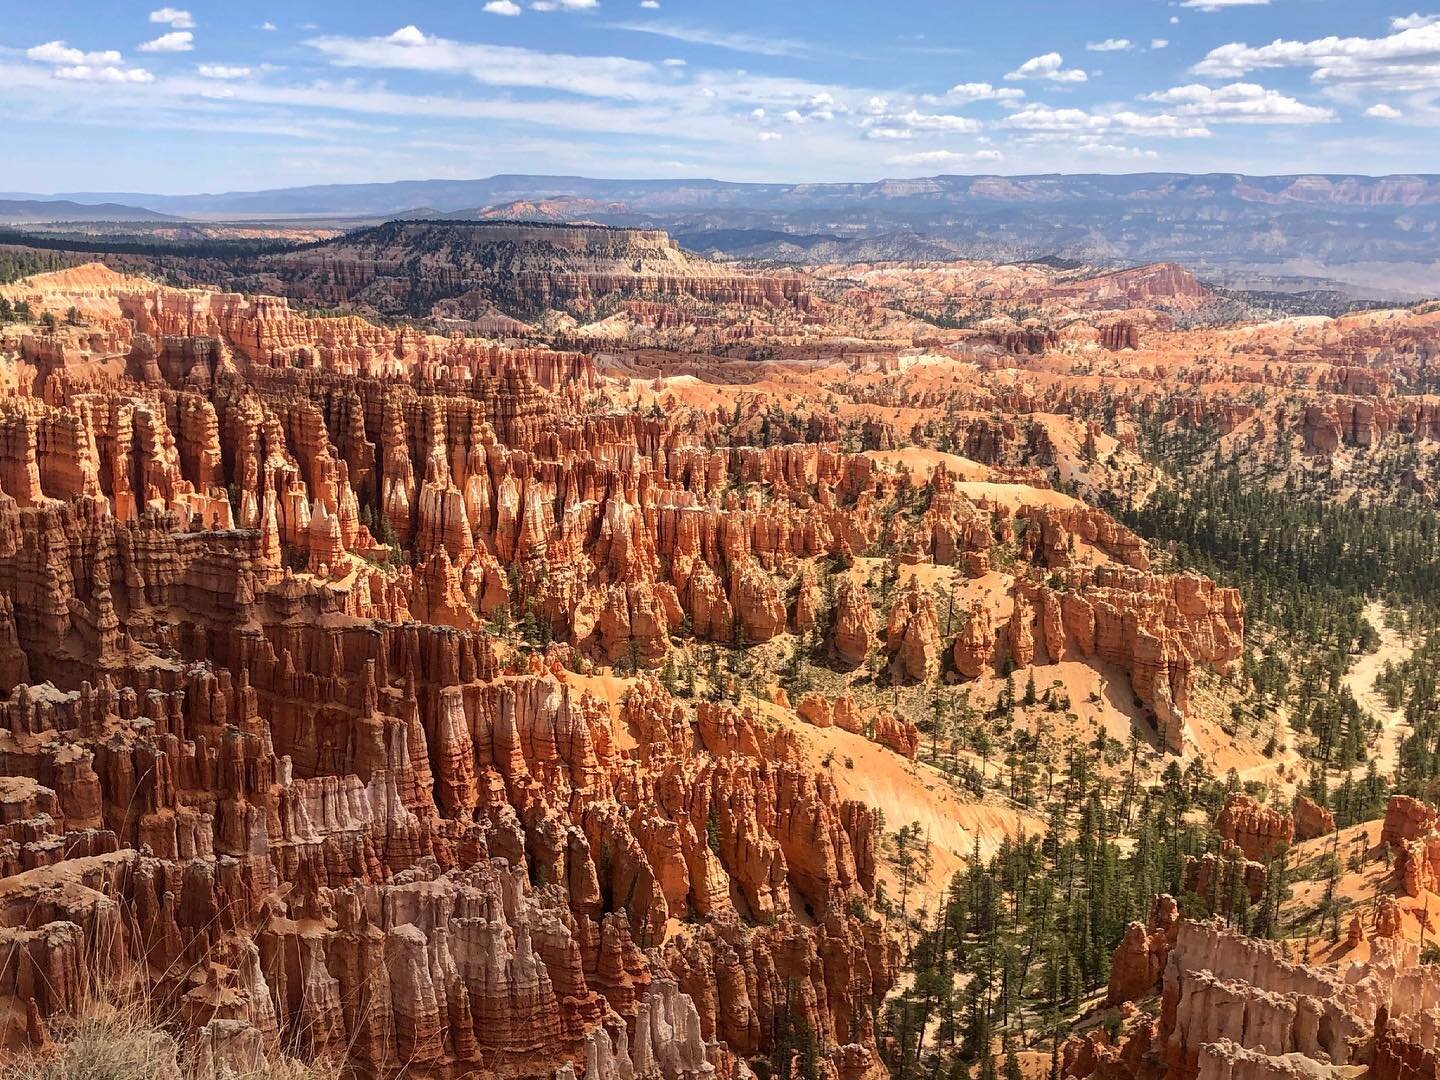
[27,211]
[1376,236]
[924,193]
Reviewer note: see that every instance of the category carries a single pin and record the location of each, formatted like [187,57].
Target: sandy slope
[1357,891]
[1360,680]
[910,791]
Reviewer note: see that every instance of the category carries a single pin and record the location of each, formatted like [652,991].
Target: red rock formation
[1119,335]
[912,635]
[1407,818]
[1412,829]
[304,612]
[1221,877]
[1166,282]
[1233,1005]
[974,648]
[854,623]
[1256,830]
[293,786]
[1403,1050]
[1311,819]
[898,734]
[470,268]
[1139,959]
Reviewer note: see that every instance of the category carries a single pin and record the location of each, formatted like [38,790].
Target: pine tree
[1012,1062]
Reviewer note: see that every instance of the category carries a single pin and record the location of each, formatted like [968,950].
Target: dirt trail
[1360,679]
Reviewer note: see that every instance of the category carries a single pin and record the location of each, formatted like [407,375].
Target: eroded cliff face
[264,755]
[1412,832]
[1236,1006]
[470,269]
[293,787]
[458,871]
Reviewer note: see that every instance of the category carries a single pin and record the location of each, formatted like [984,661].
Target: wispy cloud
[946,157]
[971,92]
[1044,118]
[719,39]
[103,73]
[222,71]
[1220,5]
[410,49]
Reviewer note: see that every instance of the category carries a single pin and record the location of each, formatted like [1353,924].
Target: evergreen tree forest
[1019,950]
[1022,943]
[1306,566]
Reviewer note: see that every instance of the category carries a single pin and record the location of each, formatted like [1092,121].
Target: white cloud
[1051,67]
[267,25]
[175,41]
[57,52]
[106,65]
[650,4]
[766,136]
[564,5]
[1412,22]
[222,71]
[1384,112]
[175,18]
[503,7]
[944,157]
[1043,118]
[108,73]
[964,93]
[928,157]
[1407,59]
[409,49]
[1240,103]
[1111,45]
[818,107]
[1220,5]
[1159,43]
[938,122]
[257,107]
[892,126]
[674,62]
[1116,151]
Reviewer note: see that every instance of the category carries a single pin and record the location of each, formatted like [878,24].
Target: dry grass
[99,1048]
[111,1043]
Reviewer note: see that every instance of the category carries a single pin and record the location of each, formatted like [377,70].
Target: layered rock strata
[265,755]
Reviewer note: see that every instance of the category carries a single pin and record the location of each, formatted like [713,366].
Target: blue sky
[116,95]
